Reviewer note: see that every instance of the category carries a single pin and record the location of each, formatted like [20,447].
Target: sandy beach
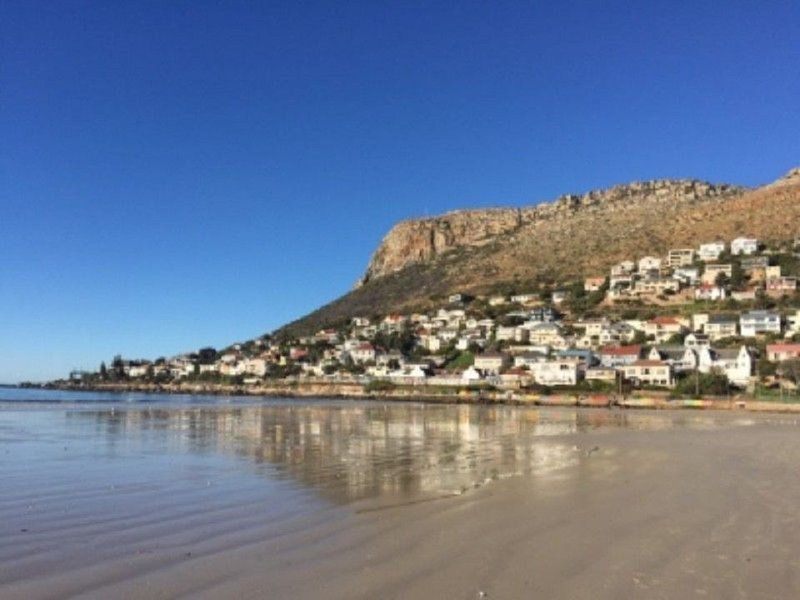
[362,500]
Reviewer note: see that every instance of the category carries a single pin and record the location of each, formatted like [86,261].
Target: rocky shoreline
[356,391]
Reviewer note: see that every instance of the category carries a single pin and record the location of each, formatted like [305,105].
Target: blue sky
[180,174]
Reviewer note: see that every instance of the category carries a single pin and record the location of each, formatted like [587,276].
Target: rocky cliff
[421,261]
[422,240]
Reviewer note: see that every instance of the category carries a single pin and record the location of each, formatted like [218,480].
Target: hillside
[477,251]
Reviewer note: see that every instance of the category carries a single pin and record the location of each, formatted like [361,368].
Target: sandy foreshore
[655,510]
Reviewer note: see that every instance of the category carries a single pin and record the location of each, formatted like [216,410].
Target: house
[656,286]
[744,245]
[720,326]
[747,295]
[713,271]
[626,267]
[735,363]
[750,263]
[548,334]
[695,340]
[524,298]
[649,372]
[471,375]
[497,300]
[662,328]
[687,275]
[363,352]
[593,284]
[512,334]
[600,374]
[555,372]
[680,358]
[756,322]
[680,257]
[456,298]
[793,323]
[649,263]
[585,357]
[529,359]
[710,251]
[559,296]
[710,292]
[781,352]
[491,362]
[618,356]
[781,286]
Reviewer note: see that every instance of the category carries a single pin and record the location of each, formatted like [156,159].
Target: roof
[664,321]
[650,363]
[783,348]
[633,350]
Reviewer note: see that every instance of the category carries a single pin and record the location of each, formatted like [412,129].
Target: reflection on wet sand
[347,451]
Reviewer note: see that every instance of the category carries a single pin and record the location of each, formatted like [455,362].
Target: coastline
[356,391]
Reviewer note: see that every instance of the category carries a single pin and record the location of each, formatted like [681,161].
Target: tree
[103,371]
[790,369]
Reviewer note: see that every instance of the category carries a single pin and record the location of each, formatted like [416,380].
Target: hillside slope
[575,236]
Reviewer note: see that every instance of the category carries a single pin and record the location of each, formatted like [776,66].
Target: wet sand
[556,504]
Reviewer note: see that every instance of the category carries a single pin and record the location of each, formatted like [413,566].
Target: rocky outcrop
[422,240]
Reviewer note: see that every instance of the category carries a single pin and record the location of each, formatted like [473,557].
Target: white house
[744,245]
[555,372]
[649,372]
[710,292]
[720,326]
[710,251]
[759,321]
[735,363]
[649,263]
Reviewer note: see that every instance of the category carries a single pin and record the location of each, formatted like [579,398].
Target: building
[744,245]
[710,251]
[649,372]
[618,356]
[680,257]
[593,284]
[720,326]
[687,275]
[662,328]
[710,292]
[781,352]
[735,363]
[781,286]
[649,263]
[492,362]
[713,271]
[757,322]
[555,372]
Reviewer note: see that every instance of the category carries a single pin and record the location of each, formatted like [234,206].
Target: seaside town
[719,319]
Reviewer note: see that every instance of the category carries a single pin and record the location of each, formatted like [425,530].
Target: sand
[702,511]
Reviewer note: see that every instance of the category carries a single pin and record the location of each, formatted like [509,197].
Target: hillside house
[781,286]
[680,257]
[744,245]
[781,352]
[720,326]
[618,356]
[555,372]
[492,362]
[710,251]
[662,329]
[713,271]
[649,372]
[709,292]
[649,264]
[593,284]
[757,322]
[735,363]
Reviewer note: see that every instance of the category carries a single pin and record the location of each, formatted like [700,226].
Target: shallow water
[111,476]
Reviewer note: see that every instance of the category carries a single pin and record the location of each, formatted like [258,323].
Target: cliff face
[420,262]
[423,240]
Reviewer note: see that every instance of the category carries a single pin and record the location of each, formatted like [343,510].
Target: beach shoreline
[647,400]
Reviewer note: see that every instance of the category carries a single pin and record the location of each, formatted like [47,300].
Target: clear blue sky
[180,174]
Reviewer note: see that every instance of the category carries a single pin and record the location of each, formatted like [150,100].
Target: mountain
[421,261]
